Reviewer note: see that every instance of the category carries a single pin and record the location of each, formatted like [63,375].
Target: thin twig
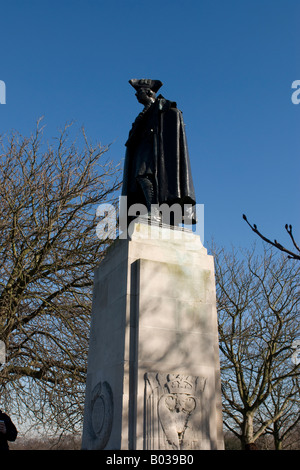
[277,245]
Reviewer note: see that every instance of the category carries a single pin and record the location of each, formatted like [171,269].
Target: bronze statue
[157,166]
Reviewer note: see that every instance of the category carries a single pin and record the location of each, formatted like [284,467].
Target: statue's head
[146,89]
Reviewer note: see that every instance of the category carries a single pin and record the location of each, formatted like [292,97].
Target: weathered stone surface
[154,325]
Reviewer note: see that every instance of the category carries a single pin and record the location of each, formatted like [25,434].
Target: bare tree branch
[258,304]
[291,254]
[49,194]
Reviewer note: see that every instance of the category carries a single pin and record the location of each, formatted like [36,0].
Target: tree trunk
[276,435]
[247,439]
[278,444]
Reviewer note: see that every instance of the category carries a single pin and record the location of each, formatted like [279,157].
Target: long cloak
[157,147]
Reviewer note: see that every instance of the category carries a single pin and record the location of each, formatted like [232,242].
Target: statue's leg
[149,190]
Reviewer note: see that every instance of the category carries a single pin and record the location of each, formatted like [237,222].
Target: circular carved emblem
[101,415]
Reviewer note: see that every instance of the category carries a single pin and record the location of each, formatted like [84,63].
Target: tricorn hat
[154,85]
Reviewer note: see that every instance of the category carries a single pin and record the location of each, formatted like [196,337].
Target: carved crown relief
[174,398]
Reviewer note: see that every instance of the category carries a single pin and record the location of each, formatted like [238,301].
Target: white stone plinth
[153,379]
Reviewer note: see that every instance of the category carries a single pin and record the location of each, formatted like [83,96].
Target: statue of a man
[157,167]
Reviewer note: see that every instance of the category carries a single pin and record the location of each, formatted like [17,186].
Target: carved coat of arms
[172,407]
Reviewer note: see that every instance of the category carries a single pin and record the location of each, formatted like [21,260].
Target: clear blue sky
[229,65]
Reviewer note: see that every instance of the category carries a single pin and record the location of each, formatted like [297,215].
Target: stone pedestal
[153,378]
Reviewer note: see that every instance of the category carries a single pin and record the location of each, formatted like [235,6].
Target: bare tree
[258,305]
[48,251]
[284,402]
[279,246]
